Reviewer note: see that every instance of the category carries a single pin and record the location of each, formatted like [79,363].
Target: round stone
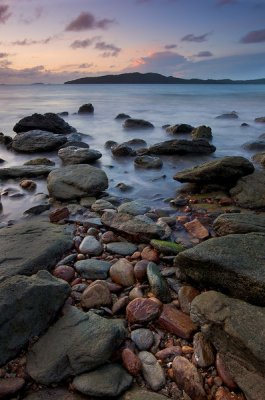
[64,272]
[143,338]
[90,245]
[122,272]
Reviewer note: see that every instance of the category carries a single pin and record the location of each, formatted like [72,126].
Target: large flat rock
[233,263]
[226,224]
[25,171]
[250,191]
[171,147]
[46,122]
[75,181]
[77,343]
[27,306]
[37,141]
[30,246]
[237,330]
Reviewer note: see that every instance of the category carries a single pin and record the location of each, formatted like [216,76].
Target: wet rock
[196,229]
[122,272]
[131,362]
[136,142]
[21,318]
[230,115]
[90,245]
[97,294]
[75,181]
[258,145]
[122,116]
[202,132]
[224,373]
[260,119]
[57,355]
[259,158]
[122,248]
[40,161]
[28,184]
[226,224]
[107,381]
[109,143]
[182,147]
[250,191]
[132,123]
[122,150]
[30,246]
[176,322]
[140,227]
[77,155]
[166,247]
[108,237]
[233,263]
[101,205]
[203,351]
[225,171]
[123,187]
[152,371]
[134,208]
[142,310]
[10,386]
[185,296]
[143,338]
[148,162]
[59,214]
[179,129]
[140,270]
[158,284]
[86,109]
[47,122]
[232,327]
[64,272]
[150,254]
[188,378]
[93,269]
[37,141]
[52,394]
[25,171]
[168,353]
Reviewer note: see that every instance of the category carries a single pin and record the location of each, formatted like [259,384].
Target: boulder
[25,171]
[257,145]
[249,191]
[233,263]
[148,162]
[229,115]
[122,150]
[21,319]
[76,343]
[226,224]
[132,123]
[139,227]
[232,327]
[179,129]
[40,161]
[225,171]
[47,122]
[30,246]
[77,155]
[76,181]
[86,109]
[260,119]
[122,116]
[202,132]
[109,380]
[37,141]
[171,147]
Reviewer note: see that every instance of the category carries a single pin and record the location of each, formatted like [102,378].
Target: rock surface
[228,323]
[152,370]
[58,394]
[137,393]
[21,318]
[202,132]
[142,310]
[93,269]
[148,162]
[175,321]
[143,338]
[37,141]
[25,171]
[10,386]
[226,224]
[182,147]
[53,359]
[250,191]
[229,115]
[107,381]
[47,122]
[158,284]
[30,246]
[233,263]
[86,109]
[225,171]
[179,129]
[75,181]
[121,248]
[77,155]
[96,294]
[132,123]
[134,208]
[90,245]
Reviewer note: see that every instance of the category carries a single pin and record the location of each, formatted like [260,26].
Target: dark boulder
[171,147]
[46,122]
[86,109]
[132,123]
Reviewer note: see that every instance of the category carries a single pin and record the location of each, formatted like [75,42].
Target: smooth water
[160,104]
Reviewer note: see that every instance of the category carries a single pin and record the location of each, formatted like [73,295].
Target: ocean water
[160,104]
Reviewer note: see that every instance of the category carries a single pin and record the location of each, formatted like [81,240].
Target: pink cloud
[4,13]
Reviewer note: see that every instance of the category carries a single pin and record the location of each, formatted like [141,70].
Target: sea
[160,104]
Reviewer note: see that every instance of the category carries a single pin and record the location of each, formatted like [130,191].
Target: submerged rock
[171,147]
[202,132]
[132,123]
[37,141]
[76,181]
[122,150]
[230,115]
[46,122]
[40,161]
[148,162]
[260,119]
[179,129]
[259,158]
[122,116]
[257,145]
[21,318]
[77,155]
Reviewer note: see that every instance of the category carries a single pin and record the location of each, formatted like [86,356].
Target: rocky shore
[107,297]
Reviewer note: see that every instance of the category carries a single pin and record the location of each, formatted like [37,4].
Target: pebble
[143,338]
[142,310]
[91,245]
[67,260]
[108,237]
[135,293]
[10,386]
[101,205]
[203,351]
[64,272]
[169,353]
[131,362]
[122,248]
[152,370]
[120,304]
[224,394]
[196,229]
[176,322]
[97,294]
[140,270]
[28,184]
[185,295]
[150,254]
[93,268]
[59,214]
[158,284]
[122,272]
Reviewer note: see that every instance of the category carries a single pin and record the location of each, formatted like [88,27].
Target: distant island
[153,78]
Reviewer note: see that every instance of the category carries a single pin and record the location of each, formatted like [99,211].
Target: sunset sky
[53,41]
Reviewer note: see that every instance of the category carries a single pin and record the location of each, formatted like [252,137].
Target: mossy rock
[166,247]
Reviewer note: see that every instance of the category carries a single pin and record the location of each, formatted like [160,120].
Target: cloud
[85,66]
[110,50]
[204,54]
[36,15]
[170,46]
[3,55]
[83,44]
[254,37]
[226,2]
[30,42]
[4,13]
[193,38]
[86,21]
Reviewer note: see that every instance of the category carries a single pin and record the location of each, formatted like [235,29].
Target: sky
[52,41]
